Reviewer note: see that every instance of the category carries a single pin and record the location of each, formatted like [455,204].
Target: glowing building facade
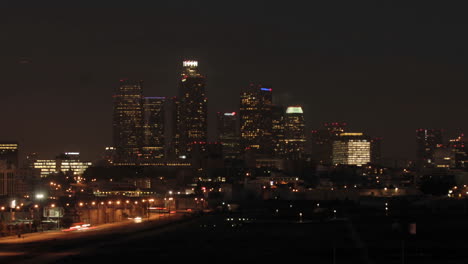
[351,149]
[294,133]
[256,119]
[128,120]
[68,161]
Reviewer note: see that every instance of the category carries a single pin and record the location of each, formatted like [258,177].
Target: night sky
[385,67]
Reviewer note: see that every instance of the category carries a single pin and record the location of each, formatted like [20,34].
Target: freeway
[51,246]
[212,236]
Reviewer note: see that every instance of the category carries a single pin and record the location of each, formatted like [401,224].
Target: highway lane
[47,247]
[212,239]
[209,237]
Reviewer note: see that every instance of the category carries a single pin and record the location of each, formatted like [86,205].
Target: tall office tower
[351,149]
[153,128]
[376,150]
[427,141]
[256,119]
[228,134]
[278,126]
[459,148]
[9,153]
[322,141]
[190,109]
[128,121]
[294,131]
[175,146]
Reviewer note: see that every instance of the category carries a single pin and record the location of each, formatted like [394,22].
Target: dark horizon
[386,69]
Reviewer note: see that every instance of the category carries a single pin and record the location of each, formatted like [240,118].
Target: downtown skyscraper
[294,133]
[128,121]
[138,125]
[256,119]
[228,134]
[153,128]
[190,110]
[427,140]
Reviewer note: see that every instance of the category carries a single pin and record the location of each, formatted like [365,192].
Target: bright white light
[294,110]
[39,196]
[190,63]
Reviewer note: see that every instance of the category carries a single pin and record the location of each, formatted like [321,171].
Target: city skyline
[333,131]
[380,78]
[212,133]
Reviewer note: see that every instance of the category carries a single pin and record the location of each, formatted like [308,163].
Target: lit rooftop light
[294,110]
[190,63]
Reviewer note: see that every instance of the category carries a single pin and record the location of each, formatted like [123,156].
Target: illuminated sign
[190,63]
[294,110]
[230,114]
[160,98]
[52,212]
[72,153]
[266,89]
[351,134]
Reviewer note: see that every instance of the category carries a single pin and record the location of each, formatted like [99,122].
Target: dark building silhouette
[427,141]
[228,134]
[153,128]
[376,150]
[322,141]
[9,153]
[459,149]
[278,126]
[128,121]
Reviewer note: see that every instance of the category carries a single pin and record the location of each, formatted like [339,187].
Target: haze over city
[384,68]
[326,131]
